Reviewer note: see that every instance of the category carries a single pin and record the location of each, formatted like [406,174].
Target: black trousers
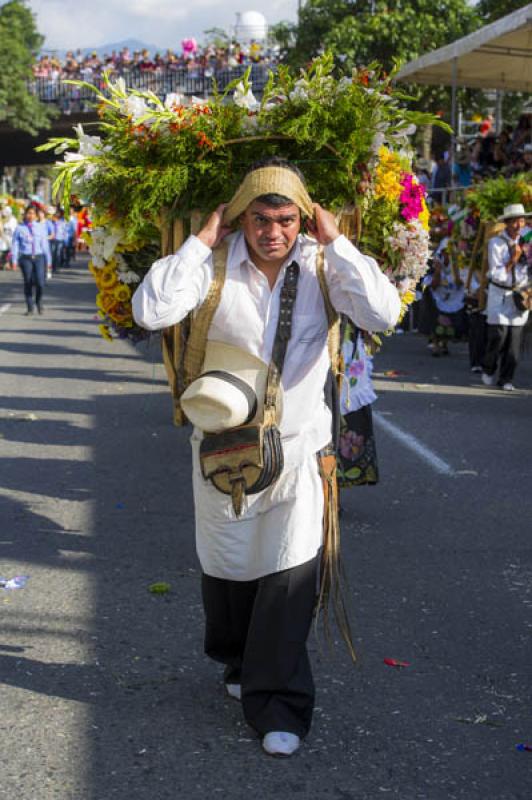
[477,338]
[502,349]
[258,629]
[33,270]
[58,254]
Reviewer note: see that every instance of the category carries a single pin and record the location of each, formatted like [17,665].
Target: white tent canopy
[498,56]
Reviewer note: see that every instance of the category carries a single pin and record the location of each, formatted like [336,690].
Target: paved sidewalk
[104,690]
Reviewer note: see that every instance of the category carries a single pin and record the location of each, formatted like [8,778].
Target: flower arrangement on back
[162,160]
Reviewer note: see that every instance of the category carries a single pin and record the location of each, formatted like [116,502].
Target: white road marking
[415,445]
[5,308]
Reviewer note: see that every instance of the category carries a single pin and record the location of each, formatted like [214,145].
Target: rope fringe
[332,578]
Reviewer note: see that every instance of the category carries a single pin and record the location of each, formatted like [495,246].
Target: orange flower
[204,141]
[105,301]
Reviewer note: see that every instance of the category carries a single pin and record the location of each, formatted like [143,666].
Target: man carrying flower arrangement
[260,550]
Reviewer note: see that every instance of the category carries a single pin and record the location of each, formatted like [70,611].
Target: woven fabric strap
[333,318]
[201,321]
[282,336]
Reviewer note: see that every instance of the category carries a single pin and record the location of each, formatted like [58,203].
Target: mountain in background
[107,49]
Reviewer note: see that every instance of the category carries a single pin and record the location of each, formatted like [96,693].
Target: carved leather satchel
[247,459]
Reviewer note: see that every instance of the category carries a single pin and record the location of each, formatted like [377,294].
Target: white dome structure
[251,25]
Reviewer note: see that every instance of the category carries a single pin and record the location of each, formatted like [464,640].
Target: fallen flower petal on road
[393,662]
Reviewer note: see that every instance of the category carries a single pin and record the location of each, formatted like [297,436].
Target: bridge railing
[74,99]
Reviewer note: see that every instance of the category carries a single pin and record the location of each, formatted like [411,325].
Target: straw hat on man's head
[514,211]
[230,390]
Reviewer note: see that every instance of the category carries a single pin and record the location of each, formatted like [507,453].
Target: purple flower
[350,445]
[355,369]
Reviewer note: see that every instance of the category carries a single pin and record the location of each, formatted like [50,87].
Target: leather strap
[282,336]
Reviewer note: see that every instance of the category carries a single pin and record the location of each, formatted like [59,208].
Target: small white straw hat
[230,390]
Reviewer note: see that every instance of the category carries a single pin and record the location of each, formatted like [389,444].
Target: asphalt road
[105,693]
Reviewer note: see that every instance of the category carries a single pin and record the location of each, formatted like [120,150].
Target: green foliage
[160,159]
[164,161]
[19,44]
[387,31]
[491,196]
[491,10]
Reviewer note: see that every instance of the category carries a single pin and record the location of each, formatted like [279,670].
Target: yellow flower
[408,297]
[388,175]
[105,332]
[107,278]
[105,301]
[122,293]
[424,217]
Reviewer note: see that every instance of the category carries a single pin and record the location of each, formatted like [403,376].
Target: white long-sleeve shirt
[501,309]
[282,526]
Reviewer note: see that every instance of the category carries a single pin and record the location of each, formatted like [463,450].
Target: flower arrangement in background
[161,160]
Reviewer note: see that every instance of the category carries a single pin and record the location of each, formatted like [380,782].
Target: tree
[388,31]
[491,10]
[217,37]
[380,30]
[20,42]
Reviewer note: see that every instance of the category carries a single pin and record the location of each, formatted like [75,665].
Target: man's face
[271,232]
[513,226]
[30,215]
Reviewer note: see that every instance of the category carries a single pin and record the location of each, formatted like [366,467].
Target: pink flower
[350,445]
[411,197]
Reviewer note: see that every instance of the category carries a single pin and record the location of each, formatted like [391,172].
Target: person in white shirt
[508,269]
[260,569]
[447,288]
[8,225]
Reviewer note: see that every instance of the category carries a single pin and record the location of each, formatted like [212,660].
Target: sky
[70,24]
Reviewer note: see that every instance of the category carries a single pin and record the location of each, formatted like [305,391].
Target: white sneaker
[489,380]
[281,743]
[234,690]
[476,369]
[508,387]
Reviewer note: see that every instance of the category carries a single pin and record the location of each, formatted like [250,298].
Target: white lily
[119,87]
[88,145]
[129,277]
[173,99]
[103,244]
[409,130]
[135,107]
[244,98]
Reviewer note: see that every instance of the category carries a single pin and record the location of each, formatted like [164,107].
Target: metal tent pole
[454,116]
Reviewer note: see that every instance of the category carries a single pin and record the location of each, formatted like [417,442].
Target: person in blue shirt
[49,225]
[59,241]
[30,250]
[72,235]
[462,172]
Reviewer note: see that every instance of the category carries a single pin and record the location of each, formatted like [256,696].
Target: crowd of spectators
[88,67]
[480,156]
